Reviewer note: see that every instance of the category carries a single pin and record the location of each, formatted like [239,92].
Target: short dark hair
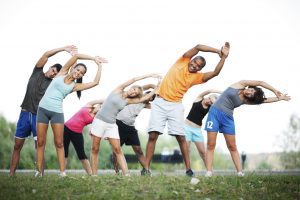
[258,97]
[57,66]
[200,58]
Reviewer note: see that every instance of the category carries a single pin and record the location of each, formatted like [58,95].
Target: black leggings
[77,141]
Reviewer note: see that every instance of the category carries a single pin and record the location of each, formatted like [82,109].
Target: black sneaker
[145,172]
[189,173]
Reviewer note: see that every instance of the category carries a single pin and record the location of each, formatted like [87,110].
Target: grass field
[79,186]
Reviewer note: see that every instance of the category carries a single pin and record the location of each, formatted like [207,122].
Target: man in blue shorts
[36,87]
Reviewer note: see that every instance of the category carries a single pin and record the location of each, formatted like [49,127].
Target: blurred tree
[290,141]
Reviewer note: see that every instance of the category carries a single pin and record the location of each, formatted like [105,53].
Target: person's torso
[197,113]
[129,113]
[113,104]
[36,87]
[79,120]
[228,100]
[55,93]
[178,80]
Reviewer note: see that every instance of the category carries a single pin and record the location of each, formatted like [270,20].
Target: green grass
[25,186]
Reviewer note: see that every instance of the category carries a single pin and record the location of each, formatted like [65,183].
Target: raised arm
[84,86]
[44,59]
[244,83]
[283,97]
[148,86]
[131,81]
[92,103]
[143,99]
[193,51]
[65,69]
[201,95]
[224,54]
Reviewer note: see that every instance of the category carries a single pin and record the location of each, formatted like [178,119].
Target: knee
[117,150]
[180,139]
[40,143]
[59,144]
[18,147]
[95,149]
[138,152]
[153,136]
[232,147]
[211,145]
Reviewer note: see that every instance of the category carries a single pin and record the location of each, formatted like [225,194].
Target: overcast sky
[139,37]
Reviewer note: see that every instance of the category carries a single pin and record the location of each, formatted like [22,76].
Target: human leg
[153,136]
[66,141]
[184,150]
[231,145]
[15,158]
[210,148]
[58,131]
[41,143]
[201,150]
[94,153]
[78,143]
[115,143]
[140,155]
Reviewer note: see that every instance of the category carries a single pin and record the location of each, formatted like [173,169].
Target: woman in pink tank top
[74,128]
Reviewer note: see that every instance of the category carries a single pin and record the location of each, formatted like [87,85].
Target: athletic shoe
[145,172]
[190,173]
[62,174]
[208,174]
[38,174]
[240,174]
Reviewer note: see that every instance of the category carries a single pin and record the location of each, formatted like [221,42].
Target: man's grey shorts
[163,112]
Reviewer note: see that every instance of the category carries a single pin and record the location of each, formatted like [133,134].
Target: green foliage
[290,141]
[156,187]
[264,165]
[7,131]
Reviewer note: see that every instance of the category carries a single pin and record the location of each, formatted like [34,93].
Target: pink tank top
[79,120]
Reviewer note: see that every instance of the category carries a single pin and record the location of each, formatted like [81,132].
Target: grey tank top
[228,101]
[113,104]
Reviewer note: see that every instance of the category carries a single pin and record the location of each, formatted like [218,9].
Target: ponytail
[79,92]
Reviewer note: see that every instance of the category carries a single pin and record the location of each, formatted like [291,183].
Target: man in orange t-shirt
[167,106]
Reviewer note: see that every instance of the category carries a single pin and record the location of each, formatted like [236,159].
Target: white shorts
[104,130]
[163,112]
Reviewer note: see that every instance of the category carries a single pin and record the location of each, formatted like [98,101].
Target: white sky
[139,37]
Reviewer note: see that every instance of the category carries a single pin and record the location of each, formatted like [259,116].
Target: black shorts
[77,141]
[128,134]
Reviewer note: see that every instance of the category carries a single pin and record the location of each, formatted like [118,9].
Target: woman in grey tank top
[220,116]
[104,124]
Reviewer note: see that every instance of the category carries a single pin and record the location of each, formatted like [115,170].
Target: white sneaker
[62,174]
[208,174]
[240,174]
[38,174]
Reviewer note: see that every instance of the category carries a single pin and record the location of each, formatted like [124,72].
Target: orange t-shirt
[178,80]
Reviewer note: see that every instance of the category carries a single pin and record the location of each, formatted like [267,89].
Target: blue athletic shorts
[26,124]
[219,121]
[193,134]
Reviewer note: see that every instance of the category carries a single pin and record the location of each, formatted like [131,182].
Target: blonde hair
[140,89]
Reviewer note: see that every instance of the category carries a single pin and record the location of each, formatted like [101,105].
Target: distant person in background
[74,129]
[220,116]
[193,121]
[244,157]
[104,124]
[50,109]
[36,87]
[167,106]
[127,131]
